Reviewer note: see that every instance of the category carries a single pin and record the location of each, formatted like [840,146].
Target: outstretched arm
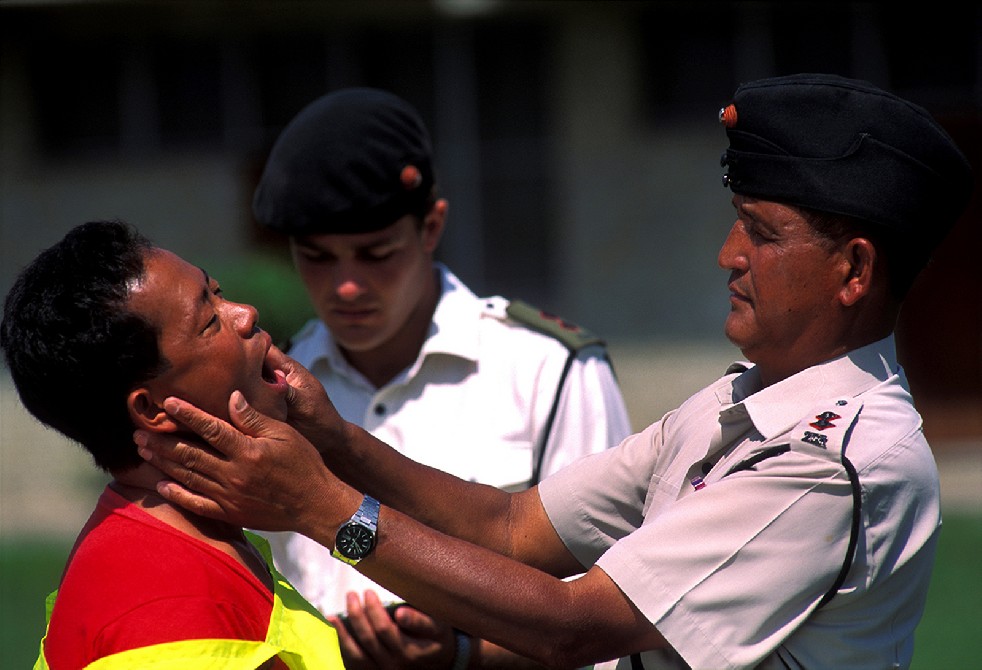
[489,518]
[266,475]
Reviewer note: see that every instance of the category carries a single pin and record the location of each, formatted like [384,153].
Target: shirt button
[379,409]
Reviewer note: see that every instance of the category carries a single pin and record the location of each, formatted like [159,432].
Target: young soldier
[489,390]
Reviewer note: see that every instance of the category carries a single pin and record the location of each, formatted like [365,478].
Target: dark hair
[903,259]
[73,350]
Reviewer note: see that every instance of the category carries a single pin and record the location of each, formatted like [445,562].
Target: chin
[358,344]
[738,331]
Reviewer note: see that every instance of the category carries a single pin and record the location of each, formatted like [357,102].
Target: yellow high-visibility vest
[297,633]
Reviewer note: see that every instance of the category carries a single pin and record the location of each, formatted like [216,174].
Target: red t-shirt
[133,581]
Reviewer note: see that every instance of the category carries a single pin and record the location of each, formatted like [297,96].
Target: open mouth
[268,373]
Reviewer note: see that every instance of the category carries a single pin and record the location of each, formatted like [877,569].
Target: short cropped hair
[902,258]
[73,350]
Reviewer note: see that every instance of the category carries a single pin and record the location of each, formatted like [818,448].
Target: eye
[380,257]
[213,322]
[378,253]
[313,255]
[757,232]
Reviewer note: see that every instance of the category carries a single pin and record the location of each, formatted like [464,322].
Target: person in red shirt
[97,331]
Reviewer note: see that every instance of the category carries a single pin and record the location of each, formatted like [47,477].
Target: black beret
[352,161]
[843,146]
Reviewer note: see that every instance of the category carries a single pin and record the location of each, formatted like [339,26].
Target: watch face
[354,540]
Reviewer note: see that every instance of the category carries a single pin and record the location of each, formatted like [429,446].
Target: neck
[138,485]
[778,370]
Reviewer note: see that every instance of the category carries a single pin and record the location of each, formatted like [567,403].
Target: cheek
[204,389]
[409,293]
[222,367]
[796,290]
[393,282]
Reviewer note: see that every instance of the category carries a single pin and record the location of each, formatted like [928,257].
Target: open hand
[259,473]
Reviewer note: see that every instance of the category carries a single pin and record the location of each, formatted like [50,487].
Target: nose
[731,255]
[244,318]
[347,283]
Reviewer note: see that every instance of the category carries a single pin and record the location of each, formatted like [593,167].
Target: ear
[146,414]
[433,224]
[859,259]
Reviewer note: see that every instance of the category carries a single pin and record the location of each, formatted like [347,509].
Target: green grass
[29,571]
[949,635]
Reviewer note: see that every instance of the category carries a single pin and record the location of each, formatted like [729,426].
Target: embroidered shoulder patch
[571,335]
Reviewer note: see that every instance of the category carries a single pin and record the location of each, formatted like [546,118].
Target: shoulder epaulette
[572,336]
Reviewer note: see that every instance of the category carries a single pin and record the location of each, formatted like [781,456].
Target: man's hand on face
[259,473]
[310,410]
[374,637]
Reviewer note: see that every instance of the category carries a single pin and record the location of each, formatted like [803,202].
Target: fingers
[181,461]
[259,472]
[246,418]
[190,464]
[278,359]
[296,374]
[353,655]
[413,622]
[193,502]
[306,399]
[372,631]
[374,637]
[217,433]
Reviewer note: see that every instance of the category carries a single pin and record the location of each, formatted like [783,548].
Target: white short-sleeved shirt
[731,567]
[474,404]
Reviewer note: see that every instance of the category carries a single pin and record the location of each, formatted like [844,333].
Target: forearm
[554,622]
[480,514]
[265,475]
[487,655]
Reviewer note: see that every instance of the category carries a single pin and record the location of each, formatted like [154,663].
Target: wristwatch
[355,538]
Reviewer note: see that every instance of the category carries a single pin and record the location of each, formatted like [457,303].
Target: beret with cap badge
[844,146]
[353,161]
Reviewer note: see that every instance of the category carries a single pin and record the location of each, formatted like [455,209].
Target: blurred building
[577,141]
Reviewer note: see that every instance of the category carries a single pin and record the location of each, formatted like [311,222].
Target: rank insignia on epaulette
[824,420]
[571,335]
[814,439]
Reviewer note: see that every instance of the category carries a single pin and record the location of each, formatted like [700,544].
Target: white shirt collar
[453,331]
[778,407]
